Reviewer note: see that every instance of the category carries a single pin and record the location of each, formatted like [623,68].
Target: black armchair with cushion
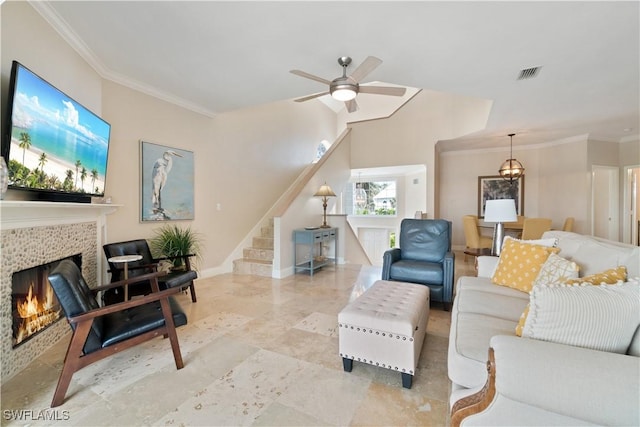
[176,278]
[99,332]
[424,257]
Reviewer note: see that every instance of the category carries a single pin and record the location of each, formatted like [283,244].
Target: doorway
[604,202]
[631,206]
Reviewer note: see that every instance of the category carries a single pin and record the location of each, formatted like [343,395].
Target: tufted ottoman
[385,327]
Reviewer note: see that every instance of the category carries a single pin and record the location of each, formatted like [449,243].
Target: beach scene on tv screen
[56,143]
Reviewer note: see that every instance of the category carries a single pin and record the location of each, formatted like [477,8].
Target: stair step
[254,267]
[263,242]
[258,254]
[267,231]
[258,259]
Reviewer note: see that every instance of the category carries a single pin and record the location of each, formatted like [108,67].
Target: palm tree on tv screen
[83,176]
[78,164]
[67,180]
[94,176]
[25,143]
[41,162]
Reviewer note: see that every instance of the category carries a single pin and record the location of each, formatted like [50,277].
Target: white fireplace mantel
[22,214]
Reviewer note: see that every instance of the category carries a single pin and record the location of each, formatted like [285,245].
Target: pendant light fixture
[511,169]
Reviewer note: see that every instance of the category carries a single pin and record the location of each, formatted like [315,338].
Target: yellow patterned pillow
[608,277]
[520,263]
[523,318]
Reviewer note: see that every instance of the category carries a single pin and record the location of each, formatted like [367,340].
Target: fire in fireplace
[33,302]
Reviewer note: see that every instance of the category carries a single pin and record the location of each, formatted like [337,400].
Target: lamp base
[498,237]
[324,214]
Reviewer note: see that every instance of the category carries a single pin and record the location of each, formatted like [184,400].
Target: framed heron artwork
[166,177]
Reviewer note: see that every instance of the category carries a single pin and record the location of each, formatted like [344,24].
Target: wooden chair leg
[171,332]
[192,288]
[71,362]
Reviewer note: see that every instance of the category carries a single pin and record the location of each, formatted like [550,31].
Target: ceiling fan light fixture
[343,90]
[343,94]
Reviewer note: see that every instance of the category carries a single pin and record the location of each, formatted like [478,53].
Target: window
[322,149]
[376,198]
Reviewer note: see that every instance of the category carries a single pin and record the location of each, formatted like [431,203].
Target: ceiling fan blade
[383,90]
[369,64]
[310,76]
[352,105]
[315,95]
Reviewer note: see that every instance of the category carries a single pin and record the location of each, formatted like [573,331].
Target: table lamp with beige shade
[325,192]
[499,211]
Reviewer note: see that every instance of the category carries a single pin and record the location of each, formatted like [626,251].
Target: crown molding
[465,152]
[71,37]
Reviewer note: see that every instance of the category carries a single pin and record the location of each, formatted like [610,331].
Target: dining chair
[568,224]
[472,236]
[518,224]
[532,228]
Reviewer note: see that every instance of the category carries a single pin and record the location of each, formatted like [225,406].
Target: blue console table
[312,240]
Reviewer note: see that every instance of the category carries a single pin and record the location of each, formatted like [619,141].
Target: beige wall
[306,210]
[629,154]
[28,39]
[552,188]
[564,187]
[410,135]
[244,161]
[557,178]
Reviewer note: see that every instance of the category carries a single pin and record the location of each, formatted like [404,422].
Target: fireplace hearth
[34,305]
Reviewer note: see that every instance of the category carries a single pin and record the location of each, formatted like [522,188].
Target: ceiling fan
[345,88]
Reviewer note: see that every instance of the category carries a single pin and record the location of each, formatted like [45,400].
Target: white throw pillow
[556,270]
[550,242]
[603,317]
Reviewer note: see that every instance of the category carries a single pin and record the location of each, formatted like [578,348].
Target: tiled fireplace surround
[34,233]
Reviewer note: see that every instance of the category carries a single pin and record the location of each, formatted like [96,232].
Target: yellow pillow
[523,318]
[609,277]
[520,264]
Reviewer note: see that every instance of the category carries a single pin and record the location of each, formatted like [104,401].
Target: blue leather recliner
[424,257]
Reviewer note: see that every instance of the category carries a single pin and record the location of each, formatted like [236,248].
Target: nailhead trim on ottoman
[395,310]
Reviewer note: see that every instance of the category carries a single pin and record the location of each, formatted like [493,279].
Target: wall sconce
[325,192]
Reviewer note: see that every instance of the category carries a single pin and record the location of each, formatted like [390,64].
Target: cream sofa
[538,382]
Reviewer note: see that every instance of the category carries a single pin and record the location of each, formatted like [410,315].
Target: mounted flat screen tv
[54,147]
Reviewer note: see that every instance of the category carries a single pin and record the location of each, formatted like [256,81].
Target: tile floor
[257,351]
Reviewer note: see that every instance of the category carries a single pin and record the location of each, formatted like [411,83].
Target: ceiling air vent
[529,73]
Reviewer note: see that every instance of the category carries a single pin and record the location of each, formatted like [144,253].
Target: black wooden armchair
[176,278]
[100,332]
[424,257]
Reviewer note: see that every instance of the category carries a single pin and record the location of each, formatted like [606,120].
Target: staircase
[258,259]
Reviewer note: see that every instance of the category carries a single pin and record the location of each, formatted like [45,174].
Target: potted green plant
[172,240]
